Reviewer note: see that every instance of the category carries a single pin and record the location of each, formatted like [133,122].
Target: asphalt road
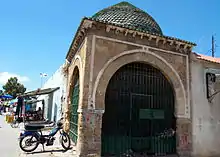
[8,140]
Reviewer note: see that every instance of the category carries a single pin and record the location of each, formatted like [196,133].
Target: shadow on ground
[50,151]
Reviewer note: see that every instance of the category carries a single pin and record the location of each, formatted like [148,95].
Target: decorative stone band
[185,46]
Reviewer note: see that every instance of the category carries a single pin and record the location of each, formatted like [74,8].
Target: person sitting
[40,113]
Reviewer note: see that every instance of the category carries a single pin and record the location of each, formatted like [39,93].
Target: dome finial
[125,4]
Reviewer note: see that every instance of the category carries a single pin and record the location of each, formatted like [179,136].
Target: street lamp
[42,75]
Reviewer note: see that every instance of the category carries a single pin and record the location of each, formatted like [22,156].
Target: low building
[54,101]
[205,104]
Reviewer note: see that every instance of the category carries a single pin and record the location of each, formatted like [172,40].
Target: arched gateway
[74,106]
[139,111]
[132,80]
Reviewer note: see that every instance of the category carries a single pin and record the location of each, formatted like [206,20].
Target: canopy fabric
[7,96]
[13,101]
[40,92]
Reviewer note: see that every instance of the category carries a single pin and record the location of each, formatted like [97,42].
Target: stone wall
[205,117]
[78,63]
[108,51]
[101,55]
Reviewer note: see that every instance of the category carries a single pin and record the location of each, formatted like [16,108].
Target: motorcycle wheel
[65,141]
[28,143]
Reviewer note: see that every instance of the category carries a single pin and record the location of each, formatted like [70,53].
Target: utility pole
[213,46]
[41,81]
[42,75]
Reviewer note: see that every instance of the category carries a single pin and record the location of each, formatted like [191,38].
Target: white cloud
[4,76]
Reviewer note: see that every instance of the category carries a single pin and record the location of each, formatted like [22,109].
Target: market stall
[39,113]
[31,112]
[5,103]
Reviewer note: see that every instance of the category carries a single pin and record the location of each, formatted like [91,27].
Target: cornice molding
[86,24]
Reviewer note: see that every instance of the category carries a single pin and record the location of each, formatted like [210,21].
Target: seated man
[40,113]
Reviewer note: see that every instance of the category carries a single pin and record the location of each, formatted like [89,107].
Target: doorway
[139,112]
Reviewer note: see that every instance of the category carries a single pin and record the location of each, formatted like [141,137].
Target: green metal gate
[139,113]
[73,110]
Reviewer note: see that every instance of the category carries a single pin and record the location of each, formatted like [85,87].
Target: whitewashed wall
[205,115]
[53,104]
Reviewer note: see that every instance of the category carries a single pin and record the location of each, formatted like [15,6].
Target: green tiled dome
[126,15]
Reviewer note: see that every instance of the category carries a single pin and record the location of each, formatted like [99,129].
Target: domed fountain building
[128,86]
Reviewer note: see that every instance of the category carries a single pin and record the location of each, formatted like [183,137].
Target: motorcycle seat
[34,126]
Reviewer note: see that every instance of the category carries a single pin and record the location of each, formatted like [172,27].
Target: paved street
[8,140]
[9,146]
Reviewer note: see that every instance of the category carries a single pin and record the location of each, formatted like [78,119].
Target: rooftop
[207,58]
[126,15]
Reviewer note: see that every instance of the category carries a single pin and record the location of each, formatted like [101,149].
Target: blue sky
[35,35]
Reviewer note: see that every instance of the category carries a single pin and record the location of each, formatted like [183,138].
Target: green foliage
[1,92]
[13,87]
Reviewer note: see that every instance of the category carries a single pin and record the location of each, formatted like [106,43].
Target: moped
[32,136]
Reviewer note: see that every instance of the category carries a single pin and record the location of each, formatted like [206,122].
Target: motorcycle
[33,136]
